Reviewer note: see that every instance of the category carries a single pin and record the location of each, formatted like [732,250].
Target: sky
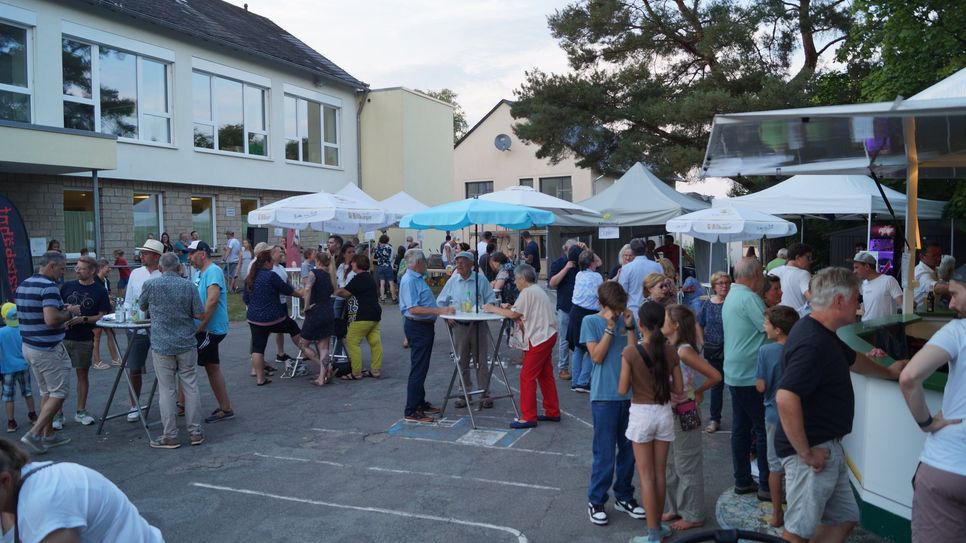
[481,49]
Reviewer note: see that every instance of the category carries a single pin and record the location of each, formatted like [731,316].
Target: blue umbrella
[456,215]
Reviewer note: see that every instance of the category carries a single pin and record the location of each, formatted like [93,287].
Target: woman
[166,241]
[344,273]
[606,334]
[503,285]
[265,315]
[103,269]
[537,318]
[709,317]
[387,279]
[246,259]
[308,262]
[685,476]
[584,302]
[363,295]
[625,256]
[658,288]
[53,245]
[318,325]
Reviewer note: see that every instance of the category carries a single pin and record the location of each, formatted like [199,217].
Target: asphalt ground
[303,463]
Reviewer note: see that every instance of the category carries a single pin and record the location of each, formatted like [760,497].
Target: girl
[685,479]
[585,303]
[650,369]
[103,269]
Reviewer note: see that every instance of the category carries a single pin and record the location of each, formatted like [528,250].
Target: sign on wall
[17,265]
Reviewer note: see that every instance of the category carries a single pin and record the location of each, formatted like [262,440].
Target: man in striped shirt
[43,321]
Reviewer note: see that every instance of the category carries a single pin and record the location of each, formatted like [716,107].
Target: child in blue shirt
[778,323]
[13,366]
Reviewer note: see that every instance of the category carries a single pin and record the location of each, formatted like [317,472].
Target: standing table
[111,326]
[483,318]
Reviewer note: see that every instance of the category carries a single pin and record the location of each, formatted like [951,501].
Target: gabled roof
[483,120]
[233,27]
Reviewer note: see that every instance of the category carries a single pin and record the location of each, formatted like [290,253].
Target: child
[122,270]
[778,323]
[14,367]
[651,370]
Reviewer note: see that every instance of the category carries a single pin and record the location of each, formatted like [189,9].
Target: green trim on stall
[888,525]
[854,335]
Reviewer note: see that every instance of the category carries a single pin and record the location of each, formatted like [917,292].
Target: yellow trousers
[368,330]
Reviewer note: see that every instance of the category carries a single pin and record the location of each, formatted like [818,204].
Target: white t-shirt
[481,248]
[135,284]
[69,495]
[879,297]
[234,249]
[946,449]
[794,285]
[927,278]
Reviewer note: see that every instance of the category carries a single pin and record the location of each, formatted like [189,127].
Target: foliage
[459,116]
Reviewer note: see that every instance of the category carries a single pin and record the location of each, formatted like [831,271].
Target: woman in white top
[585,302]
[246,259]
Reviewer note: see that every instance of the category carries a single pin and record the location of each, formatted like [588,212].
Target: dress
[318,323]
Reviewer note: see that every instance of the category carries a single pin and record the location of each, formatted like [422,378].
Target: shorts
[80,352]
[21,378]
[51,369]
[260,334]
[938,505]
[386,273]
[774,463]
[138,356]
[818,498]
[208,347]
[232,269]
[121,284]
[649,422]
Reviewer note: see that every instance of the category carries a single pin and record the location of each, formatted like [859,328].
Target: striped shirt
[33,295]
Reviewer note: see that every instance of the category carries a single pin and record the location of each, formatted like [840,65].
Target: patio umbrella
[321,211]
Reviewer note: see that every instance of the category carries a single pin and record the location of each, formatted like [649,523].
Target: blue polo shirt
[414,292]
[213,275]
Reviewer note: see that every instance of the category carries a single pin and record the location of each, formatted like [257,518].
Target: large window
[559,187]
[78,221]
[203,218]
[476,188]
[115,92]
[229,115]
[311,131]
[247,205]
[147,217]
[14,74]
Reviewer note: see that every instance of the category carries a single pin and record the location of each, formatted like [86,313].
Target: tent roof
[638,198]
[402,203]
[841,195]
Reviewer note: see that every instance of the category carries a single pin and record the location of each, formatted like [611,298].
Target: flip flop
[263,383]
[351,377]
[368,373]
[101,366]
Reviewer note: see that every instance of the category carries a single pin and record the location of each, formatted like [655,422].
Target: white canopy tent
[402,204]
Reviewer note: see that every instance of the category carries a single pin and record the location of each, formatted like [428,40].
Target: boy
[13,366]
[779,320]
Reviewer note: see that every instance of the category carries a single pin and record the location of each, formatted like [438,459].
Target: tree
[459,116]
[649,75]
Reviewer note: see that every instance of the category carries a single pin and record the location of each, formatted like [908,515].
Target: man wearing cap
[881,294]
[43,317]
[232,252]
[213,325]
[139,341]
[469,337]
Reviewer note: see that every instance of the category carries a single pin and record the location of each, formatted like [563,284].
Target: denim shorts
[386,273]
[10,380]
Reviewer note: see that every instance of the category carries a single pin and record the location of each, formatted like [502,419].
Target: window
[557,186]
[147,217]
[476,188]
[229,115]
[526,182]
[311,131]
[78,221]
[247,205]
[115,92]
[203,218]
[15,91]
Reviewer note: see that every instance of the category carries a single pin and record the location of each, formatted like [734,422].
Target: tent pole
[868,235]
[801,232]
[912,215]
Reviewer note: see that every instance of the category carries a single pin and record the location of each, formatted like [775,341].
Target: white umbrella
[529,197]
[322,211]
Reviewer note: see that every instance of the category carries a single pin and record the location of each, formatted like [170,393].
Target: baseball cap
[465,254]
[198,245]
[152,245]
[865,257]
[261,247]
[9,313]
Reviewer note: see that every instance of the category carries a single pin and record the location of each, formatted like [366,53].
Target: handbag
[688,415]
[516,339]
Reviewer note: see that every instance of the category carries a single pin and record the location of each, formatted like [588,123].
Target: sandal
[370,373]
[263,383]
[101,366]
[115,362]
[351,377]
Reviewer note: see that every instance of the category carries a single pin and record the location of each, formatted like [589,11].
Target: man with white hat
[881,294]
[469,337]
[140,344]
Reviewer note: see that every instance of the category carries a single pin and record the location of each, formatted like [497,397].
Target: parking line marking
[551,453]
[506,529]
[477,479]
[326,462]
[354,432]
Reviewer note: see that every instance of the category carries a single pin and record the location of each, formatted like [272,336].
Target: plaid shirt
[172,302]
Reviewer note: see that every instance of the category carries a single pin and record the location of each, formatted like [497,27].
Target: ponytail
[651,317]
[12,457]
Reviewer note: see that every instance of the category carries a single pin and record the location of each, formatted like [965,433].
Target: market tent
[845,196]
[401,204]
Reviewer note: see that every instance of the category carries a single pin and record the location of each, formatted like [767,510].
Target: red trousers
[538,368]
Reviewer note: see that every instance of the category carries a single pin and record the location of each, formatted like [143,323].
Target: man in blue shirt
[531,251]
[213,326]
[419,310]
[467,288]
[634,272]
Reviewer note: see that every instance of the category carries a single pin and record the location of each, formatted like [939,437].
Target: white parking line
[534,451]
[491,481]
[326,462]
[506,529]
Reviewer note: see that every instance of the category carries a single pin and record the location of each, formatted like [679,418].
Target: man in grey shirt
[173,305]
[634,272]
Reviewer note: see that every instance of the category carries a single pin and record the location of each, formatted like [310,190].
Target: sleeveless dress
[318,323]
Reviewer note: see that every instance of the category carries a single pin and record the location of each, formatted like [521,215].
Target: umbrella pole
[477,281]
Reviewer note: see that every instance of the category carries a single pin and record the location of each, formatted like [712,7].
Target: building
[123,119]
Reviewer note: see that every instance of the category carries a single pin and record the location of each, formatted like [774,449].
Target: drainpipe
[362,105]
[97,214]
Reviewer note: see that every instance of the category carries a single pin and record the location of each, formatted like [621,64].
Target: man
[194,235]
[780,259]
[139,344]
[232,254]
[485,262]
[816,405]
[881,294]
[43,316]
[410,243]
[212,327]
[419,309]
[334,247]
[795,275]
[278,267]
[670,250]
[446,251]
[481,245]
[743,315]
[174,305]
[79,337]
[926,275]
[634,272]
[773,291]
[469,337]
[531,251]
[562,275]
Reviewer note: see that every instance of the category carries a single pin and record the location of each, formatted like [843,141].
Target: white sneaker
[58,422]
[84,418]
[132,415]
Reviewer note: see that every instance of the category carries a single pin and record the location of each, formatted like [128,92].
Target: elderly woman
[536,316]
[624,256]
[709,317]
[584,302]
[659,288]
[266,316]
[363,295]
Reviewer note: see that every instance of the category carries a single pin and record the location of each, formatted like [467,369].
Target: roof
[234,27]
[483,120]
